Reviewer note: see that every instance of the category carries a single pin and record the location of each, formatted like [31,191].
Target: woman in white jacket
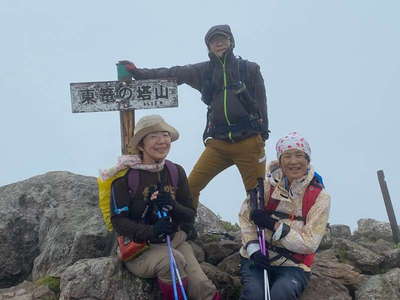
[294,221]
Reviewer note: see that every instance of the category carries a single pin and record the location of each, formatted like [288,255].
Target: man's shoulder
[198,65]
[251,66]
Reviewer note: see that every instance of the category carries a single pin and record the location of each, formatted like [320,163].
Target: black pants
[286,283]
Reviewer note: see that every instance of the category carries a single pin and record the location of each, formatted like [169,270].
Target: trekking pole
[263,246]
[172,264]
[176,269]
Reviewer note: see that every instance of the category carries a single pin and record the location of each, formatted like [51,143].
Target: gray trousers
[154,262]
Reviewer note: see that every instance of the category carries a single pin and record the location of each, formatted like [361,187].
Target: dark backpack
[133,177]
[105,190]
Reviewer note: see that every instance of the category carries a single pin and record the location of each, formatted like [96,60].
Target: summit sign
[122,95]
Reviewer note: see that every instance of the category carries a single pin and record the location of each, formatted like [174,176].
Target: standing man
[237,122]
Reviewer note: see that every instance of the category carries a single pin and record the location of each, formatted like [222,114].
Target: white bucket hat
[149,124]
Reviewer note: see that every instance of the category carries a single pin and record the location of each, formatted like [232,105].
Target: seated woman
[294,220]
[160,186]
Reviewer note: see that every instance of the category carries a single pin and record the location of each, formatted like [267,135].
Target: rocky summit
[53,245]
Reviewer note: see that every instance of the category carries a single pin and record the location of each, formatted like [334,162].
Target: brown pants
[248,155]
[154,262]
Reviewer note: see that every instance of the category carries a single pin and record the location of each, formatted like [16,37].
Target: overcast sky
[331,68]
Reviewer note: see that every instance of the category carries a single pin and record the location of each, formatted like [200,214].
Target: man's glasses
[219,39]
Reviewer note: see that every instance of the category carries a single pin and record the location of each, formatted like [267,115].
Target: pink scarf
[131,161]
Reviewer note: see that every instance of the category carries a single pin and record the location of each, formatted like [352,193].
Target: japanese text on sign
[117,95]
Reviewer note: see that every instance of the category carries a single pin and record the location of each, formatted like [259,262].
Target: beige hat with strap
[149,124]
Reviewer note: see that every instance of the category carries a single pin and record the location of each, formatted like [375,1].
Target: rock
[198,251]
[326,242]
[27,290]
[340,231]
[18,232]
[49,221]
[343,273]
[103,279]
[231,264]
[379,247]
[373,230]
[207,221]
[225,283]
[321,287]
[392,259]
[66,241]
[365,260]
[381,287]
[217,251]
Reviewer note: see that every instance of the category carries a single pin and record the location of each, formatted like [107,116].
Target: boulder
[198,251]
[228,285]
[28,290]
[326,288]
[340,231]
[103,278]
[326,242]
[328,266]
[379,246]
[392,259]
[231,264]
[381,287]
[373,230]
[207,221]
[217,251]
[363,259]
[48,222]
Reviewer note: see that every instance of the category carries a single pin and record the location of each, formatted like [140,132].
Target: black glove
[262,219]
[260,260]
[162,227]
[164,201]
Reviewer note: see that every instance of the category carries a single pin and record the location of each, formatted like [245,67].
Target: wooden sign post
[124,95]
[126,118]
[389,207]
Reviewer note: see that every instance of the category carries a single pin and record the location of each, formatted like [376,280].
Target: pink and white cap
[290,141]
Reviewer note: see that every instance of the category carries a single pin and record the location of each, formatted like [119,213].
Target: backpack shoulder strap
[133,177]
[311,195]
[272,203]
[173,172]
[207,85]
[242,70]
[133,181]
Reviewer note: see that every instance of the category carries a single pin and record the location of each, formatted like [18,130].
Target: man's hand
[262,219]
[129,66]
[260,260]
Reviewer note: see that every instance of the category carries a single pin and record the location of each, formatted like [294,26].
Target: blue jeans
[286,283]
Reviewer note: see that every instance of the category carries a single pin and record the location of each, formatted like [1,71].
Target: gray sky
[332,71]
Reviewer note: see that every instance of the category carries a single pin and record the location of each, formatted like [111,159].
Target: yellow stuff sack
[105,197]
